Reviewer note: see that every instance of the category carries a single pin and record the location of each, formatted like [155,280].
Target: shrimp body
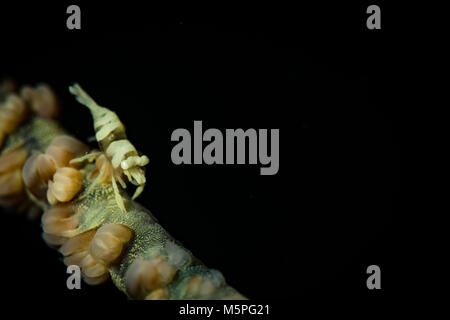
[111,136]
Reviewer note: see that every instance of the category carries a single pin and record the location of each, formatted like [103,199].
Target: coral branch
[82,215]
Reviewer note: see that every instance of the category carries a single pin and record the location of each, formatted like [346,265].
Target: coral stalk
[82,216]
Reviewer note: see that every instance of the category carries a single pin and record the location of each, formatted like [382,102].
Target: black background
[314,72]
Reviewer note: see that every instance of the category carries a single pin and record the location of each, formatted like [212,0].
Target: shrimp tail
[86,100]
[82,96]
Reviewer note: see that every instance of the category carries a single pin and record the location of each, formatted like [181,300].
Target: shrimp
[111,137]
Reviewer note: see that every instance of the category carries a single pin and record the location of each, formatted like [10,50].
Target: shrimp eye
[125,165]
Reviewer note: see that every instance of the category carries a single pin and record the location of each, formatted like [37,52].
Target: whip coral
[93,223]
